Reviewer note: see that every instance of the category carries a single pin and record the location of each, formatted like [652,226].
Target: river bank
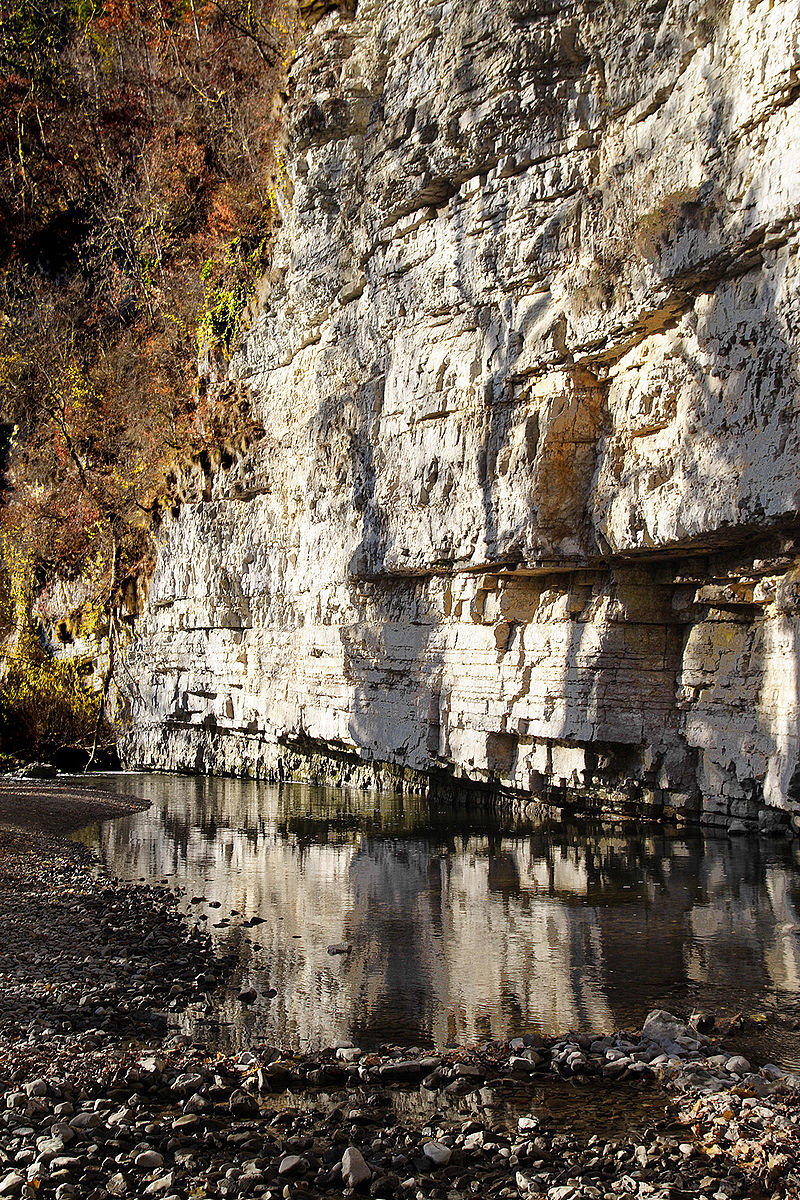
[41,807]
[102,1098]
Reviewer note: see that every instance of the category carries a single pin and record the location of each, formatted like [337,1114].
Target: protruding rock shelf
[526,508]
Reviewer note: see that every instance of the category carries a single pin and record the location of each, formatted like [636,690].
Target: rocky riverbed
[100,1097]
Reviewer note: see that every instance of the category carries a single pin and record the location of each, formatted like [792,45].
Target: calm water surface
[464,925]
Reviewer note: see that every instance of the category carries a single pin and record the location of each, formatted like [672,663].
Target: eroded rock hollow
[526,508]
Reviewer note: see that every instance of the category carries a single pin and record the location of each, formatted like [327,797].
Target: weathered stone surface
[354,1169]
[665,1029]
[438,1154]
[525,507]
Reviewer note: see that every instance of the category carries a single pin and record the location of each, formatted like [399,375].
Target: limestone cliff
[526,508]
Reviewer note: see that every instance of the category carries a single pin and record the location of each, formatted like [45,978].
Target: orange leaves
[222,219]
[114,15]
[142,151]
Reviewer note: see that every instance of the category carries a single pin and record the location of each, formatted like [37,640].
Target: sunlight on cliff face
[779,707]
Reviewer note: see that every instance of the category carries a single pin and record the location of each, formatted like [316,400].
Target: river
[463,924]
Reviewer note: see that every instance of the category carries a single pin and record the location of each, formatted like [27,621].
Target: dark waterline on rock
[463,924]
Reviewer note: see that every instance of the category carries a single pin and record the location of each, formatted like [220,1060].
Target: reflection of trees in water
[462,924]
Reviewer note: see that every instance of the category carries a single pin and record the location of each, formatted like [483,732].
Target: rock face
[526,507]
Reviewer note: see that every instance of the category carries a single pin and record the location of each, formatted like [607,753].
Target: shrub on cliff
[136,209]
[47,704]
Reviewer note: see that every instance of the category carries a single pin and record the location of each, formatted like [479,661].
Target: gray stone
[665,1029]
[187,1082]
[290,1164]
[186,1122]
[148,1160]
[468,1071]
[354,1169]
[438,1153]
[86,1120]
[348,1054]
[161,1184]
[66,1163]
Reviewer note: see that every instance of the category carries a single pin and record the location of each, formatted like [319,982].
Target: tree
[136,212]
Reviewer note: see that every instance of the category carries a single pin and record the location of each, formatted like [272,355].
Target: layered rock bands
[526,509]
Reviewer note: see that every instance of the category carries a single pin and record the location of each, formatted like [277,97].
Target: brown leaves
[139,144]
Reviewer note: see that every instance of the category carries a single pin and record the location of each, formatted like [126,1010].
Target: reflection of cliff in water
[462,925]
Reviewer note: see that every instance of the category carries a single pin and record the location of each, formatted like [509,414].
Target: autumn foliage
[137,168]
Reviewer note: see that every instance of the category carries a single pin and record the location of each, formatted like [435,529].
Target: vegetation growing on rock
[136,212]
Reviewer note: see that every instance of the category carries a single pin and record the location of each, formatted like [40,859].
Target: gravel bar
[38,806]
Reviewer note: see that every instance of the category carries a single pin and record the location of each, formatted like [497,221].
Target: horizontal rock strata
[525,512]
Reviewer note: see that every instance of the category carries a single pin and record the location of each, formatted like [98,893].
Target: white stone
[349,1054]
[289,1164]
[162,1184]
